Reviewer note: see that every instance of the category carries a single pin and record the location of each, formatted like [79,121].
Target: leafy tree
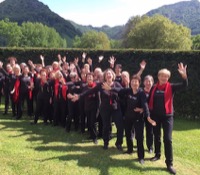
[196,42]
[92,39]
[10,33]
[158,32]
[39,35]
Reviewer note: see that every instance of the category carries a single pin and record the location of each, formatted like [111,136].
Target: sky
[103,12]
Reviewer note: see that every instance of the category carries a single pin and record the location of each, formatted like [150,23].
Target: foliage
[29,35]
[93,40]
[196,42]
[158,32]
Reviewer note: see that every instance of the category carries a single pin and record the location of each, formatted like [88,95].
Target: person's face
[148,83]
[125,78]
[89,79]
[118,69]
[135,84]
[109,76]
[163,78]
[43,76]
[26,70]
[17,71]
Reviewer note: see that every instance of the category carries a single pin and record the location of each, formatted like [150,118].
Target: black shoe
[33,123]
[119,147]
[128,152]
[171,169]
[141,161]
[105,147]
[155,158]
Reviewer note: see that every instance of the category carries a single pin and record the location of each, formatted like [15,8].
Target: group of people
[75,93]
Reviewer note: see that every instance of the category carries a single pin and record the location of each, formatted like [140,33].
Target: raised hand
[100,58]
[143,64]
[42,57]
[182,70]
[105,86]
[112,61]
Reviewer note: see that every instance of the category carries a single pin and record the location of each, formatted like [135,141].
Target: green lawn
[43,150]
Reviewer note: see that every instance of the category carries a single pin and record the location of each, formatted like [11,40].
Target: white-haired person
[162,112]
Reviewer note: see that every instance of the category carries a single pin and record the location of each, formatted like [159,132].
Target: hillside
[34,11]
[115,32]
[186,13]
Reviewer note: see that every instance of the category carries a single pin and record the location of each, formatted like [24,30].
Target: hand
[143,64]
[182,70]
[12,92]
[100,58]
[64,59]
[42,57]
[59,57]
[140,110]
[89,60]
[1,64]
[112,61]
[70,96]
[84,56]
[106,87]
[153,123]
[75,98]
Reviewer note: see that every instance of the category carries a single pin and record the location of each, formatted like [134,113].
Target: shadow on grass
[92,156]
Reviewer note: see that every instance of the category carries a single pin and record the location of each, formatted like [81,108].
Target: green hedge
[186,102]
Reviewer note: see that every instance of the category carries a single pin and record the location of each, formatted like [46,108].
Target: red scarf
[167,96]
[30,90]
[16,92]
[56,86]
[91,85]
[64,91]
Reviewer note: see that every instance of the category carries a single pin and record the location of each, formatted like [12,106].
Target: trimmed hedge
[186,102]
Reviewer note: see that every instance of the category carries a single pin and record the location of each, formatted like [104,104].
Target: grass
[42,150]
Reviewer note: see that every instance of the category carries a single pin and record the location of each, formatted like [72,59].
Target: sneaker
[171,169]
[150,151]
[155,158]
[141,161]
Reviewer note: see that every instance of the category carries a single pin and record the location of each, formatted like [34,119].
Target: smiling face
[109,75]
[148,82]
[135,84]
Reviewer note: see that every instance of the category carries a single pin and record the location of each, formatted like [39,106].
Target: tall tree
[158,32]
[92,39]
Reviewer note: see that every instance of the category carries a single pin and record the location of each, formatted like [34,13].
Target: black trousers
[25,97]
[108,115]
[166,123]
[7,99]
[149,134]
[59,117]
[42,107]
[73,113]
[138,125]
[92,118]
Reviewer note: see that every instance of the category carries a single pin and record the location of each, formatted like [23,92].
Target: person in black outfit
[161,107]
[43,97]
[135,100]
[110,104]
[91,106]
[6,85]
[148,83]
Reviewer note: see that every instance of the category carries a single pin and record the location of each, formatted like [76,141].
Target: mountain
[185,12]
[115,32]
[34,11]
